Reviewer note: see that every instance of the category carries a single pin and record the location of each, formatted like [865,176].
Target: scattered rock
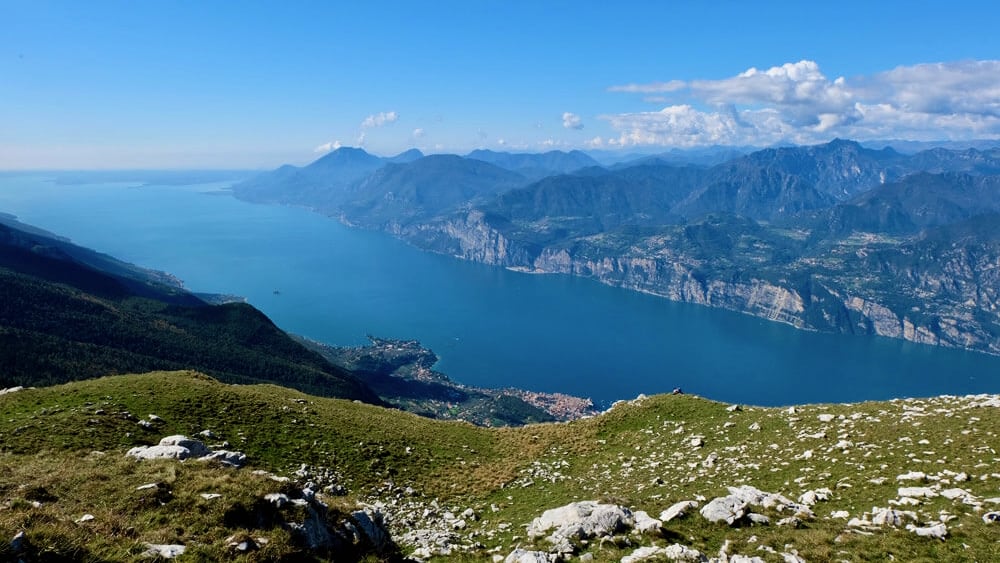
[991,517]
[210,496]
[585,519]
[181,447]
[84,518]
[936,531]
[277,499]
[678,510]
[791,522]
[166,551]
[890,517]
[758,519]
[524,556]
[917,492]
[11,390]
[644,523]
[734,408]
[728,509]
[226,457]
[912,476]
[825,417]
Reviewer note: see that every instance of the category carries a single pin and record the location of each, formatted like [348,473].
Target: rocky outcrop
[181,447]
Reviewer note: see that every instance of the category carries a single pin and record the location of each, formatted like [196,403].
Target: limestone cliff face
[681,278]
[470,237]
[680,282]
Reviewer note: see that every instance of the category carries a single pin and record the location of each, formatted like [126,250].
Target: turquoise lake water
[491,327]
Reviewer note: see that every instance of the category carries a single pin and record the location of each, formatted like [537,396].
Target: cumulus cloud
[327,147]
[571,121]
[418,133]
[379,119]
[796,102]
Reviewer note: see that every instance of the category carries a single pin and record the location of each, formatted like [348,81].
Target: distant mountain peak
[406,156]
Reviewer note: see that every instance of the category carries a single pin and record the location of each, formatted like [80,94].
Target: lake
[490,327]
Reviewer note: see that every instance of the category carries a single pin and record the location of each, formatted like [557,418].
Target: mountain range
[833,237]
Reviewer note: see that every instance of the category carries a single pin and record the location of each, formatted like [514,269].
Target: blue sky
[126,84]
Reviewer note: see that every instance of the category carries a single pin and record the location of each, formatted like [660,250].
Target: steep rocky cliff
[921,292]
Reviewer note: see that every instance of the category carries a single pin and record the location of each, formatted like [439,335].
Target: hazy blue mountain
[692,157]
[913,147]
[435,184]
[321,184]
[536,165]
[916,202]
[599,200]
[972,161]
[405,156]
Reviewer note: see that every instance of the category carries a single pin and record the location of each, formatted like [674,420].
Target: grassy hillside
[67,312]
[63,448]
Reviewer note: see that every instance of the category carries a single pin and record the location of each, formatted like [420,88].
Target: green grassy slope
[639,454]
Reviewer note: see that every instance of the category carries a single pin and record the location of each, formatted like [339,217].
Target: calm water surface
[491,327]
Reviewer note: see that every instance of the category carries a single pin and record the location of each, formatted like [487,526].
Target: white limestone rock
[936,531]
[584,519]
[728,509]
[644,523]
[917,492]
[891,517]
[524,556]
[678,510]
[166,551]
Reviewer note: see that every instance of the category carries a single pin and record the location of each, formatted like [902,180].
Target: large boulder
[584,519]
[728,509]
[171,447]
[181,447]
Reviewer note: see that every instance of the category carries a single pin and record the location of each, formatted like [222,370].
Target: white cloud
[418,133]
[571,121]
[796,102]
[327,147]
[379,119]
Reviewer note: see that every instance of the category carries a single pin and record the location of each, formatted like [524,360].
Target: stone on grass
[729,509]
[917,492]
[678,510]
[936,531]
[891,517]
[645,523]
[758,519]
[226,457]
[584,519]
[991,517]
[166,551]
[524,556]
[912,476]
